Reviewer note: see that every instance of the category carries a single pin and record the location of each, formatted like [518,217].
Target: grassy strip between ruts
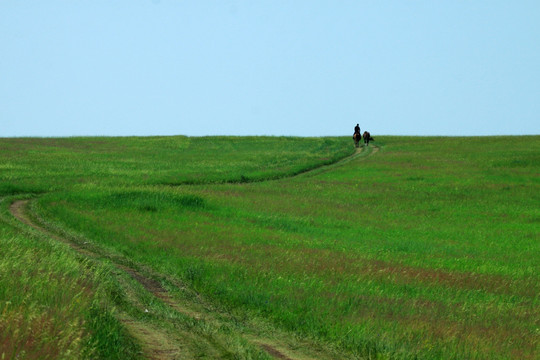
[55,304]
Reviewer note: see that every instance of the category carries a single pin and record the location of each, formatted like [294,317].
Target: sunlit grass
[54,163]
[53,305]
[428,248]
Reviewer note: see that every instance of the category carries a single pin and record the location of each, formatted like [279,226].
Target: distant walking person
[357,135]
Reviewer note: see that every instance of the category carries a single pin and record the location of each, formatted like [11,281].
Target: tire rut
[358,154]
[153,341]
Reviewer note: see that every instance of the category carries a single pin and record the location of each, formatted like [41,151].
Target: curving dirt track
[361,153]
[157,350]
[157,343]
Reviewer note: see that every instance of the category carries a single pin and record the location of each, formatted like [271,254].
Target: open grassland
[58,302]
[427,249]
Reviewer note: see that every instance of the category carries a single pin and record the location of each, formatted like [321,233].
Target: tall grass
[53,304]
[428,249]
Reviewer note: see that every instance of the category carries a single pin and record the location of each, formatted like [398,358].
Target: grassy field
[428,248]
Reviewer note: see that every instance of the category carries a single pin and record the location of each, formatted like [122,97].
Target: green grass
[427,249]
[175,160]
[53,304]
[44,285]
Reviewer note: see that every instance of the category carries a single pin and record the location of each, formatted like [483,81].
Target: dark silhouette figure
[367,137]
[356,135]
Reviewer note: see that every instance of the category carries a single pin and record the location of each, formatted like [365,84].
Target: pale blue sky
[269,67]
